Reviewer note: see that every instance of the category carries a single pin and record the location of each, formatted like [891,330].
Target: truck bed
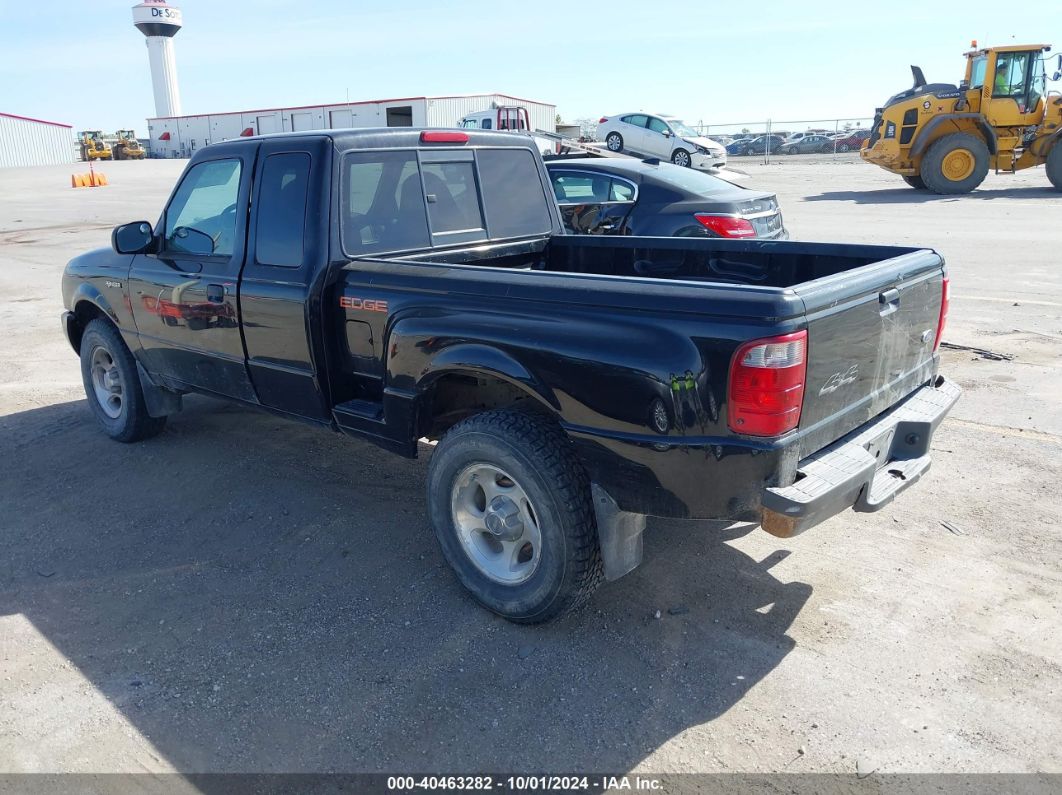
[871,312]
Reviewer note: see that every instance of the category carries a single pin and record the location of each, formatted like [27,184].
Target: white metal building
[33,142]
[180,136]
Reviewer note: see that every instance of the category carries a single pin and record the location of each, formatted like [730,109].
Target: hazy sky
[84,63]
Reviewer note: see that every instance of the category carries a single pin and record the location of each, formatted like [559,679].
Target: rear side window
[282,210]
[486,124]
[382,203]
[513,195]
[638,120]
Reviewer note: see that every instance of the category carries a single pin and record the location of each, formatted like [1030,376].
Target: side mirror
[192,241]
[134,238]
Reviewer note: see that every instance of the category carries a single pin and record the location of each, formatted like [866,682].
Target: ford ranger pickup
[403,285]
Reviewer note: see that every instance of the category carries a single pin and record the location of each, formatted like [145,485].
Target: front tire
[680,157]
[614,142]
[510,505]
[956,163]
[1054,165]
[112,385]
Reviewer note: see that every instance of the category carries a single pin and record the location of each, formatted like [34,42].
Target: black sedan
[621,196]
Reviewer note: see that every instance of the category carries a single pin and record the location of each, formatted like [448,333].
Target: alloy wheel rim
[107,382]
[496,523]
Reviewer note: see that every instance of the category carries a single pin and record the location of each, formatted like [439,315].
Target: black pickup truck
[397,285]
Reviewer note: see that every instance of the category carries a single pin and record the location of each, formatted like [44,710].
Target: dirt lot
[244,594]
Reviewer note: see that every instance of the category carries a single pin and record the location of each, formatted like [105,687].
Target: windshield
[679,128]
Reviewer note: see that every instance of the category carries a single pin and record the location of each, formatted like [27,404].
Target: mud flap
[619,533]
[160,402]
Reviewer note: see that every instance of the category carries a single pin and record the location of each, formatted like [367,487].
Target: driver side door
[184,295]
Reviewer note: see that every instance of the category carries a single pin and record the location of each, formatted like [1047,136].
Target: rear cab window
[402,200]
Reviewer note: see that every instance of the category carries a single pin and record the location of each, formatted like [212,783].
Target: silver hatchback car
[659,135]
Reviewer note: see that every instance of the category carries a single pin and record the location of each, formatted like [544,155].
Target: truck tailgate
[871,335]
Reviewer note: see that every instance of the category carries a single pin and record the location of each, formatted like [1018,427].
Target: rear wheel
[510,505]
[1054,165]
[843,148]
[112,385]
[956,163]
[915,182]
[680,157]
[614,142]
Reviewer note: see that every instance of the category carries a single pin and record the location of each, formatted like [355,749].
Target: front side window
[486,124]
[1011,68]
[201,218]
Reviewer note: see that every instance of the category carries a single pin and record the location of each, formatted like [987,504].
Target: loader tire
[1054,165]
[956,163]
[915,182]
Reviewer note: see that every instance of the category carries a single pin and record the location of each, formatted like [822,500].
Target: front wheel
[680,157]
[112,385]
[1054,165]
[510,505]
[614,142]
[843,148]
[956,163]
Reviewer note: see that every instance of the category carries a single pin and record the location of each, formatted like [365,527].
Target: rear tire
[112,385]
[843,148]
[614,142]
[956,163]
[516,464]
[1054,165]
[915,182]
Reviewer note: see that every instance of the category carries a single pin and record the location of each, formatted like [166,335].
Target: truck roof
[396,137]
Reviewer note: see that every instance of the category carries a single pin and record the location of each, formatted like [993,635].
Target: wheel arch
[925,136]
[467,379]
[88,305]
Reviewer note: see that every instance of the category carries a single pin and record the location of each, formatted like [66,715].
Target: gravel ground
[246,594]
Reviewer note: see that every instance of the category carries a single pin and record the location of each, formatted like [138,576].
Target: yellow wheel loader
[945,138]
[93,147]
[127,147]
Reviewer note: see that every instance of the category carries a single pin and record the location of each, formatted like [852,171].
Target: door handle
[889,296]
[216,293]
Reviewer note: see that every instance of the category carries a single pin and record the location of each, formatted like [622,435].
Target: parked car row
[810,142]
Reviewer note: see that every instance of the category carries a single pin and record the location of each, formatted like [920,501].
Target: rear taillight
[945,299]
[602,120]
[726,225]
[767,385]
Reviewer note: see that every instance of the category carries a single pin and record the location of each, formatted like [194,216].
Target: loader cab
[1010,82]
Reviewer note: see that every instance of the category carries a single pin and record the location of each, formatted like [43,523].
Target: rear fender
[486,360]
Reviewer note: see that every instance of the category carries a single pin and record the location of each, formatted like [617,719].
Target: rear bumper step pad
[865,469]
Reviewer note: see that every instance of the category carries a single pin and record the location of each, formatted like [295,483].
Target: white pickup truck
[508,118]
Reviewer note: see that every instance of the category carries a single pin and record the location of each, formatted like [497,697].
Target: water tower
[160,22]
